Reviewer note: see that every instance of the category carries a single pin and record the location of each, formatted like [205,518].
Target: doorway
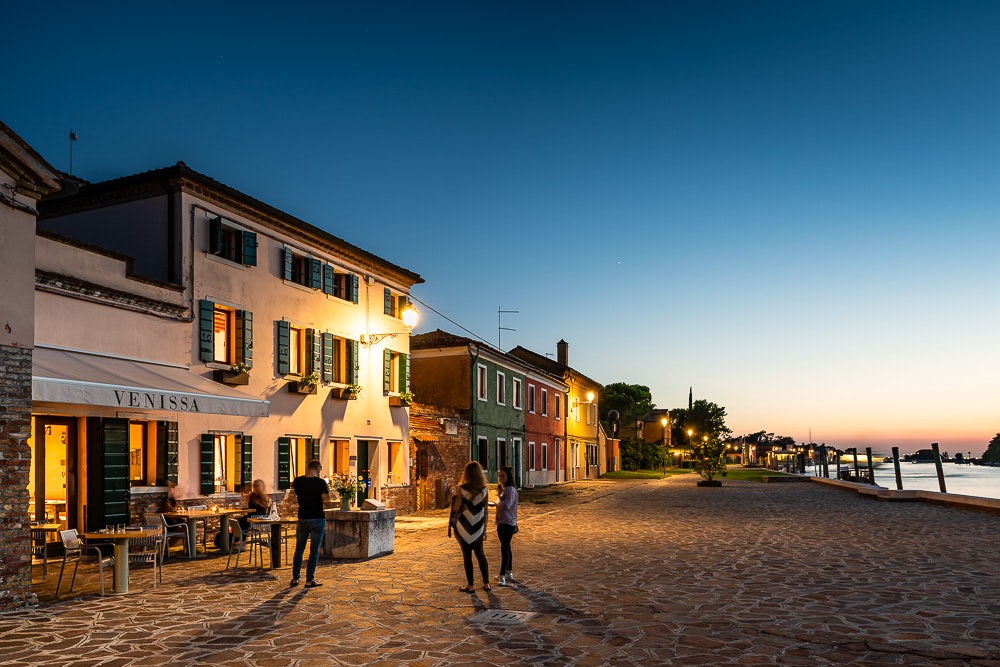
[52,481]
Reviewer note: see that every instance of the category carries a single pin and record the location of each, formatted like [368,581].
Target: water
[967,480]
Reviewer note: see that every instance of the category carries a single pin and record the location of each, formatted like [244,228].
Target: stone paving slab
[609,573]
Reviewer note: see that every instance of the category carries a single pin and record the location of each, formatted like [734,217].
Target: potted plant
[306,384]
[708,460]
[348,393]
[346,487]
[401,399]
[238,374]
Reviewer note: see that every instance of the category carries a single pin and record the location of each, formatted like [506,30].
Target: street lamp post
[663,423]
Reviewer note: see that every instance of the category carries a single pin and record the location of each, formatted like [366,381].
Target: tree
[632,401]
[707,457]
[992,453]
[703,419]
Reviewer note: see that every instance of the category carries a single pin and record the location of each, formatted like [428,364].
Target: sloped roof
[549,365]
[151,183]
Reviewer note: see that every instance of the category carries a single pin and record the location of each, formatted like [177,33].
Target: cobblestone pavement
[609,573]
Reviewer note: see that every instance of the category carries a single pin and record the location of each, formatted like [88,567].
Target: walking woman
[506,521]
[468,511]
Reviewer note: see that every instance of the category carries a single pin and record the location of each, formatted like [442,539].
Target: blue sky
[790,206]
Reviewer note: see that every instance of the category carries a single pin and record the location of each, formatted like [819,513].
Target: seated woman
[257,502]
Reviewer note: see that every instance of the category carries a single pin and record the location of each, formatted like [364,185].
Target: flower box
[230,377]
[344,393]
[297,387]
[398,402]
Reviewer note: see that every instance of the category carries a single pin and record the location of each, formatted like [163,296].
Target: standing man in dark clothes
[311,491]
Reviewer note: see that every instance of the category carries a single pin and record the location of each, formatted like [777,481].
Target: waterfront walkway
[609,573]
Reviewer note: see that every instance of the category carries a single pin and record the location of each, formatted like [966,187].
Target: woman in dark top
[468,511]
[257,502]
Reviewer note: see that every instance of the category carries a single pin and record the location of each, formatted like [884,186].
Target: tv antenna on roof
[500,327]
[72,140]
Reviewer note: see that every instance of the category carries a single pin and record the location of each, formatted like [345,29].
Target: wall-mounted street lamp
[409,315]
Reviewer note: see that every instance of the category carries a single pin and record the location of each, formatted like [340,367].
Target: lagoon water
[968,480]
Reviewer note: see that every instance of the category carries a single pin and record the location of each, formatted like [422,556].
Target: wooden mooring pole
[871,466]
[937,464]
[895,464]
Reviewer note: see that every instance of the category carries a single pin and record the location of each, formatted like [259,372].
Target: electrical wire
[440,314]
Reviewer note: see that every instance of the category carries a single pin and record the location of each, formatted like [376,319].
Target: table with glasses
[275,543]
[120,539]
[192,517]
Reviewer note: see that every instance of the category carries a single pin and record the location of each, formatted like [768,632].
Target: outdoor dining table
[120,540]
[275,542]
[40,541]
[191,518]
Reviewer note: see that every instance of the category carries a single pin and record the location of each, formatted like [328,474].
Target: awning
[70,376]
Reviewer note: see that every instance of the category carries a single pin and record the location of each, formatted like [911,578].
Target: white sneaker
[510,577]
[503,581]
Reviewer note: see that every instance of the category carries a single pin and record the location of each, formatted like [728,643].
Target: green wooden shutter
[108,460]
[315,273]
[327,343]
[206,328]
[404,372]
[314,343]
[328,279]
[387,298]
[246,467]
[288,264]
[284,348]
[207,464]
[215,236]
[352,362]
[166,453]
[250,248]
[244,336]
[284,463]
[354,288]
[386,370]
[314,449]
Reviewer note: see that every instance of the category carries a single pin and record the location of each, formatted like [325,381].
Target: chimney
[562,352]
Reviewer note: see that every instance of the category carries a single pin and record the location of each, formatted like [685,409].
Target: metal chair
[74,550]
[148,551]
[172,530]
[39,549]
[238,540]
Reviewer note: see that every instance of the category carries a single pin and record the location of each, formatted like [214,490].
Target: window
[395,371]
[302,270]
[481,382]
[483,452]
[545,402]
[152,453]
[501,389]
[531,455]
[501,453]
[300,350]
[294,453]
[226,334]
[340,454]
[340,357]
[229,242]
[393,304]
[516,395]
[226,462]
[395,463]
[545,456]
[576,409]
[339,284]
[558,406]
[138,461]
[531,398]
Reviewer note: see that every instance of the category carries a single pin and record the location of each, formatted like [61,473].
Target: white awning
[71,376]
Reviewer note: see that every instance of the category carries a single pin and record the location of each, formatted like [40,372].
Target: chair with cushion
[74,551]
[172,530]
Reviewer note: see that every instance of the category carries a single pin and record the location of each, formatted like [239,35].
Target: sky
[788,206]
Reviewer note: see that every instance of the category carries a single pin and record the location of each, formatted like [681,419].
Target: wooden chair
[40,549]
[73,551]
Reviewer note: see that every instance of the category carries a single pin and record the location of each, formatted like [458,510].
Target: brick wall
[15,465]
[439,447]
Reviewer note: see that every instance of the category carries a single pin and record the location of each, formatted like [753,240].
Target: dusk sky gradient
[790,206]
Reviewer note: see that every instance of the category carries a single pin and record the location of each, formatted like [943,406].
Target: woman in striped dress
[468,509]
